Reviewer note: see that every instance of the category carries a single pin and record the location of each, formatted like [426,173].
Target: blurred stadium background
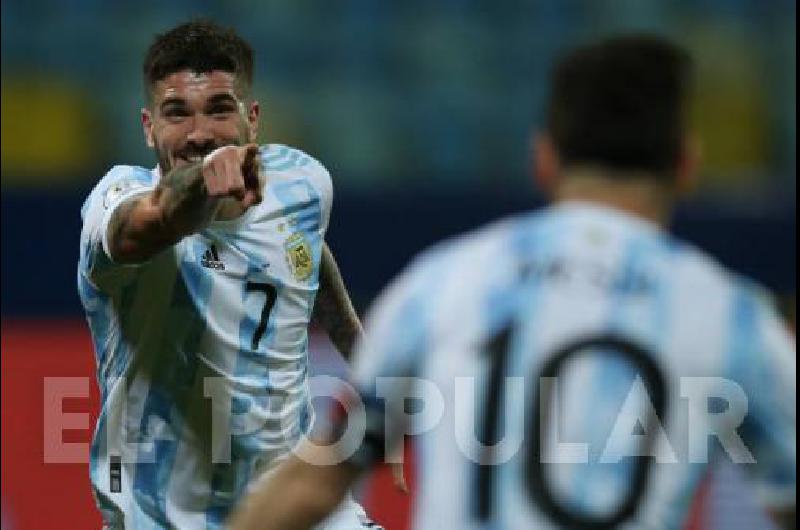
[423,113]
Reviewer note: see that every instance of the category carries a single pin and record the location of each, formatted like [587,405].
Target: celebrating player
[199,279]
[605,356]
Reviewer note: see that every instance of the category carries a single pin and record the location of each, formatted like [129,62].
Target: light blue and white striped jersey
[549,344]
[202,351]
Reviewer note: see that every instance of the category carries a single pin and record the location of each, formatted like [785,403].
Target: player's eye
[175,113]
[221,111]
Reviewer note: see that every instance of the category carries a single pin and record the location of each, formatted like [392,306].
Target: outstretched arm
[184,201]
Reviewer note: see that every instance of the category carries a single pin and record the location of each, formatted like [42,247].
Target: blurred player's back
[605,357]
[631,323]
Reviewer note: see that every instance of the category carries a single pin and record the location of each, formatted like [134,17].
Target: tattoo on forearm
[118,224]
[183,198]
[180,206]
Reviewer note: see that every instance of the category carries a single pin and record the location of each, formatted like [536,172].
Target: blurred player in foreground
[605,357]
[198,279]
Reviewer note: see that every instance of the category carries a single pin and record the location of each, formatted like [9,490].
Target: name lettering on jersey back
[587,273]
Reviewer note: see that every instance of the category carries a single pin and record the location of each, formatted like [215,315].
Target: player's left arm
[333,310]
[335,313]
[298,495]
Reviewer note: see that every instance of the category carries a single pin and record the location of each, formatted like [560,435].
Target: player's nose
[200,130]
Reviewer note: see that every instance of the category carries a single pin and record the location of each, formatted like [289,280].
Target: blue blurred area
[423,112]
[414,90]
[373,236]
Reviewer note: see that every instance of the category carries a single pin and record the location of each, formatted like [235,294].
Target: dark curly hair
[201,46]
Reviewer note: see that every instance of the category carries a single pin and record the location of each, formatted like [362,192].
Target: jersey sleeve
[769,377]
[119,185]
[284,163]
[320,180]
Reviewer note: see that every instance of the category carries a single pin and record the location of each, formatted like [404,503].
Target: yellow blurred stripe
[47,133]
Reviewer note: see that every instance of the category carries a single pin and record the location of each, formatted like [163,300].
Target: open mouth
[196,154]
[191,159]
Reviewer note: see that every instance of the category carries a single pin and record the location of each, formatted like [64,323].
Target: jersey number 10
[535,471]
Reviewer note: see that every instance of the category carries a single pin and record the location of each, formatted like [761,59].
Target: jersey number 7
[272,294]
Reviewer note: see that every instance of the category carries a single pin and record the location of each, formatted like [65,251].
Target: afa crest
[298,255]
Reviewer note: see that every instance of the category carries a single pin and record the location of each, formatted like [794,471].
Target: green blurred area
[440,93]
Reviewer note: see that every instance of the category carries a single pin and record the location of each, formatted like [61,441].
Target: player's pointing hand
[232,171]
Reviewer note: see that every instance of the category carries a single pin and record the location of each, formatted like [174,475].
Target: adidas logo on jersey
[211,259]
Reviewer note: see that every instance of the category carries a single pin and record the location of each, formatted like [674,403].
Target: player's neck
[642,197]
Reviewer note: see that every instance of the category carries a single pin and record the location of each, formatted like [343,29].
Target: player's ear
[688,166]
[147,126]
[253,115]
[546,163]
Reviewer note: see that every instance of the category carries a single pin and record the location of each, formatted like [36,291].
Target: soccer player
[610,362]
[199,279]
